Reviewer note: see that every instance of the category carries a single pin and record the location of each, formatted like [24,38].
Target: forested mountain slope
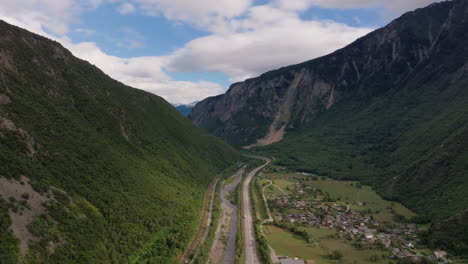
[93,171]
[410,144]
[390,110]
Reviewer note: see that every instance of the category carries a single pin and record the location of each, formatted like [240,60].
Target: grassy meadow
[287,244]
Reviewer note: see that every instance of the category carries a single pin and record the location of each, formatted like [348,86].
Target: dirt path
[251,256]
[270,219]
[347,205]
[225,237]
[203,228]
[281,189]
[273,255]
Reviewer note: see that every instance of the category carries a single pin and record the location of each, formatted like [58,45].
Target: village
[309,206]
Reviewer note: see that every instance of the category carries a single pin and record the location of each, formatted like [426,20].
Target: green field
[260,210]
[360,198]
[288,244]
[348,193]
[272,189]
[319,232]
[281,175]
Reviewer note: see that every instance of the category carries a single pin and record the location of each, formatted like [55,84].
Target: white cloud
[146,73]
[396,6]
[294,5]
[204,14]
[243,41]
[182,92]
[273,35]
[85,31]
[53,15]
[180,9]
[126,8]
[267,39]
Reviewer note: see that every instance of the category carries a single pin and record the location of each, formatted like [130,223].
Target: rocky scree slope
[93,171]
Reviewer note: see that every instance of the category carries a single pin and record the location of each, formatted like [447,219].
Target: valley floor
[320,220]
[303,218]
[224,245]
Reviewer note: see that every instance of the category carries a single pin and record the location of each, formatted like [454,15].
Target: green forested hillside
[124,170]
[409,142]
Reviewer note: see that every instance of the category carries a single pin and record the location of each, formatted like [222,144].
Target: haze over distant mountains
[389,110]
[186,109]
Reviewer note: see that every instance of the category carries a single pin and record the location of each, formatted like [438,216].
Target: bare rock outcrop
[261,110]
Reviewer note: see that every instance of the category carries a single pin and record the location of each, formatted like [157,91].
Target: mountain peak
[261,110]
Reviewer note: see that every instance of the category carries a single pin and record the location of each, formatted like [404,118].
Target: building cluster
[310,206]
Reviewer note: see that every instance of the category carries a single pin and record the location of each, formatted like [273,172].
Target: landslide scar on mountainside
[277,128]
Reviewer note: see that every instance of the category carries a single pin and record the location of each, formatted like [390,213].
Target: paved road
[250,246]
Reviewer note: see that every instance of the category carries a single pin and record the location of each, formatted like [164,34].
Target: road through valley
[251,256]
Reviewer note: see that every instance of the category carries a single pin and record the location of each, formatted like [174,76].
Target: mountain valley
[358,156]
[389,110]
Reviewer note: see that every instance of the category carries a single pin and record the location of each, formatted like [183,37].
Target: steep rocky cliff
[260,110]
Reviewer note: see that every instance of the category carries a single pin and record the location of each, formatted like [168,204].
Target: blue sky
[187,50]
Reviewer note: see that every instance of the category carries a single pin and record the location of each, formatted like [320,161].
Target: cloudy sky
[186,50]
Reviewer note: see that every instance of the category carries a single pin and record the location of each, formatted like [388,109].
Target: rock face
[260,110]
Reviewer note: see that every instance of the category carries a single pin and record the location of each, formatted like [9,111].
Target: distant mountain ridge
[93,171]
[186,109]
[389,110]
